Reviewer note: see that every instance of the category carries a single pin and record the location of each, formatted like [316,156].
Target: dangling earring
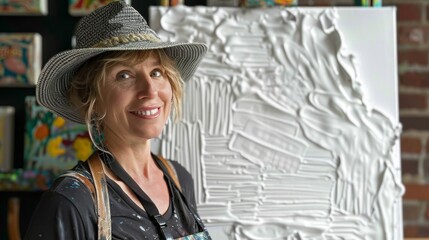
[96,132]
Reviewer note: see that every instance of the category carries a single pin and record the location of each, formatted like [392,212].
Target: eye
[156,73]
[123,75]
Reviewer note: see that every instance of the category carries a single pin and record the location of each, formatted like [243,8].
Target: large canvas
[51,142]
[290,125]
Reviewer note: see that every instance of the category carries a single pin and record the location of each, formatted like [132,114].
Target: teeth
[148,112]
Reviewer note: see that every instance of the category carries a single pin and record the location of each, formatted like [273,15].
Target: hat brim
[55,77]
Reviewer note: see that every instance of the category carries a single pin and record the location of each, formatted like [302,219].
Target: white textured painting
[290,125]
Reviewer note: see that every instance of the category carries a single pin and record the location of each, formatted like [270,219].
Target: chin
[149,134]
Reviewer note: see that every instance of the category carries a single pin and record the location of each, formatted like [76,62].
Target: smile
[147,113]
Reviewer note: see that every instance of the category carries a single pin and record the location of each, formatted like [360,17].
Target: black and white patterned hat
[116,26]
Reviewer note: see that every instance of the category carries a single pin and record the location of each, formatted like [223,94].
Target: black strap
[144,199]
[185,200]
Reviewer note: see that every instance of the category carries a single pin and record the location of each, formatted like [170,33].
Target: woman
[121,81]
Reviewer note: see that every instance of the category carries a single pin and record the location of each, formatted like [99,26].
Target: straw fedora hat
[114,27]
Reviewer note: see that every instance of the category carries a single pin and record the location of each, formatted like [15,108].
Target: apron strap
[172,176]
[99,194]
[102,196]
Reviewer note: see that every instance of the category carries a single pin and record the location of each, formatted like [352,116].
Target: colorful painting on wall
[20,58]
[83,7]
[7,114]
[23,7]
[51,142]
[267,3]
[368,3]
[280,130]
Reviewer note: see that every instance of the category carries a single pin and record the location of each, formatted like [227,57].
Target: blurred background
[56,29]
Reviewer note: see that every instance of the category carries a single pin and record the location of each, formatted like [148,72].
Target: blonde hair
[89,79]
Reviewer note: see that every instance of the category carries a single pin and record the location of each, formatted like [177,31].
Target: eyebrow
[155,62]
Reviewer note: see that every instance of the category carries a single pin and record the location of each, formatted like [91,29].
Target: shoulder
[186,182]
[72,188]
[73,191]
[66,209]
[182,172]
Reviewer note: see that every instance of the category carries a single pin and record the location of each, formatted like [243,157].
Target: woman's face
[137,100]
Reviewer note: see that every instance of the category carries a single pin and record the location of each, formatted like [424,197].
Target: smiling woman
[122,83]
[145,82]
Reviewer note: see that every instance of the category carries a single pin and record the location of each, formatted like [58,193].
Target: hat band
[124,39]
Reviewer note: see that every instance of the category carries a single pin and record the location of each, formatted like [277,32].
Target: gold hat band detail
[124,39]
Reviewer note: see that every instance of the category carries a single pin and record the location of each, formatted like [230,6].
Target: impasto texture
[275,130]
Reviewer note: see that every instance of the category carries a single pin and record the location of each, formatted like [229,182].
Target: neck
[135,159]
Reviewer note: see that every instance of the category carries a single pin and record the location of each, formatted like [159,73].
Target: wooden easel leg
[13,219]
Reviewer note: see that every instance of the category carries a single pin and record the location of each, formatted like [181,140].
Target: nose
[146,87]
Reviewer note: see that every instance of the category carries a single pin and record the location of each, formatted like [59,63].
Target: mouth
[150,113]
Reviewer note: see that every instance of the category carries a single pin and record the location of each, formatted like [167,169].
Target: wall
[413,46]
[413,20]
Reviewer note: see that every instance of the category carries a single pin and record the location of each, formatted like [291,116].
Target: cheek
[114,101]
[167,92]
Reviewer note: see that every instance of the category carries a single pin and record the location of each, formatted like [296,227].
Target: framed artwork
[23,7]
[223,3]
[368,3]
[7,114]
[52,142]
[267,3]
[83,7]
[289,128]
[20,58]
